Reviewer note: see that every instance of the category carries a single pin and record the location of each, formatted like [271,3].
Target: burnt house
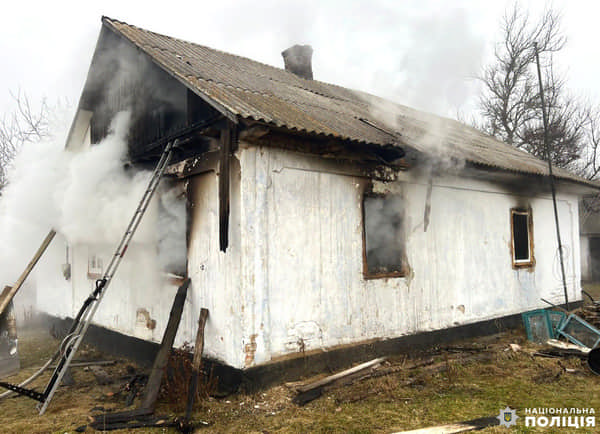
[318,218]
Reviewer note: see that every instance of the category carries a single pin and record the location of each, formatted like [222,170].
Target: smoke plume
[88,197]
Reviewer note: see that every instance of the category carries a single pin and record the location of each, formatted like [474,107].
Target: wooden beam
[227,139]
[120,416]
[162,357]
[327,380]
[314,390]
[198,349]
[9,291]
[195,165]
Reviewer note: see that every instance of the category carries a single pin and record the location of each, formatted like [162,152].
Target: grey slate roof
[240,87]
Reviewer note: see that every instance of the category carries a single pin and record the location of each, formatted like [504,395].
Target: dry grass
[463,391]
[593,289]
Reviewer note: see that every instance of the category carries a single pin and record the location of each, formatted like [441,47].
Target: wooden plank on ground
[339,375]
[9,291]
[471,425]
[198,349]
[567,346]
[312,391]
[162,357]
[120,416]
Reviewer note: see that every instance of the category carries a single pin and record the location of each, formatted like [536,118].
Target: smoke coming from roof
[435,71]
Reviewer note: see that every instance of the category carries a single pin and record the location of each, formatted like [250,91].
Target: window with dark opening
[383,221]
[522,242]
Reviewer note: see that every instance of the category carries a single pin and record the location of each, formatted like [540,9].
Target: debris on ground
[515,347]
[579,331]
[425,388]
[310,391]
[313,390]
[470,425]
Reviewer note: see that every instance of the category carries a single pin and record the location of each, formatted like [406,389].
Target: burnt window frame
[522,263]
[404,266]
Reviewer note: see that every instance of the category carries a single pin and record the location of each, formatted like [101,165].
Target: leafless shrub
[25,124]
[178,374]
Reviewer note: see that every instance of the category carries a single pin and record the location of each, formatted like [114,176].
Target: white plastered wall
[302,281]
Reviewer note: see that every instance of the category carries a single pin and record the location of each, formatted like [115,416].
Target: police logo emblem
[507,417]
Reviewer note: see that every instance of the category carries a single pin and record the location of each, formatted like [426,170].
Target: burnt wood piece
[312,391]
[195,165]
[312,394]
[162,357]
[154,149]
[133,421]
[133,386]
[227,138]
[198,349]
[9,291]
[561,353]
[382,372]
[427,212]
[120,416]
[330,379]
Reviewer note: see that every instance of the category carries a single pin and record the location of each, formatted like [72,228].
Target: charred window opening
[522,239]
[384,249]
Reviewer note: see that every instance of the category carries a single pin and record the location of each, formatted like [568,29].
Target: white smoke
[172,242]
[88,197]
[96,196]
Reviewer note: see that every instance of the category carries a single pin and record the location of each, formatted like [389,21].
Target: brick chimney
[297,59]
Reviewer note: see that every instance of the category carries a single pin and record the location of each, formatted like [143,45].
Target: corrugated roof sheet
[252,90]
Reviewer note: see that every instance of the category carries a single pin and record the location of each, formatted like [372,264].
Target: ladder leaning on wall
[75,336]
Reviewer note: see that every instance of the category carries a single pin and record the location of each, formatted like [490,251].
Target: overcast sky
[422,53]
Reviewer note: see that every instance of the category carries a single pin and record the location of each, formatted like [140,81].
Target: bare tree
[589,163]
[25,124]
[511,103]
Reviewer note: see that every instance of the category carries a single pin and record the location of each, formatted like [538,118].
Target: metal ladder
[82,321]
